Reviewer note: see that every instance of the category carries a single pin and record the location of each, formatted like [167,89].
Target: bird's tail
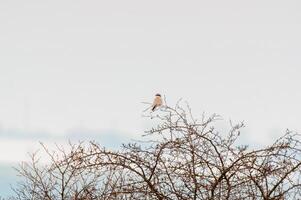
[154,107]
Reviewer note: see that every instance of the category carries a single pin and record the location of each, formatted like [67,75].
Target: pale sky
[84,67]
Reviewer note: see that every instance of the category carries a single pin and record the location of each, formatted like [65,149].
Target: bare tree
[63,178]
[182,158]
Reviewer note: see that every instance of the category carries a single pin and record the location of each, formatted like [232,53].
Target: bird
[157,102]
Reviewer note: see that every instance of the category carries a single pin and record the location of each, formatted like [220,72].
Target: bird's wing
[155,102]
[158,101]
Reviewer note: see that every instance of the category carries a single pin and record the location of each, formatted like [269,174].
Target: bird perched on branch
[157,102]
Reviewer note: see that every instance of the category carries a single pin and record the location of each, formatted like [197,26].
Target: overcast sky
[84,67]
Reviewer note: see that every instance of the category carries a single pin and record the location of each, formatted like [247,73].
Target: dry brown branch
[183,158]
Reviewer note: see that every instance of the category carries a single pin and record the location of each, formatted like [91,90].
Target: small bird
[157,102]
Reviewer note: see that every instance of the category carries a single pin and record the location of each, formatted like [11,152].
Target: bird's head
[158,95]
